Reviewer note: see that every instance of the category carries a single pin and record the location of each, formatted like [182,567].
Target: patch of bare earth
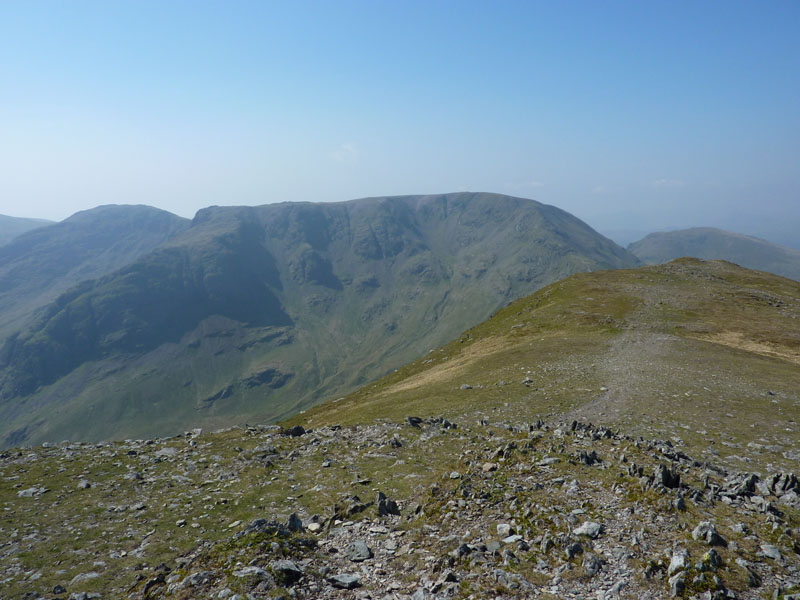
[735,339]
[452,368]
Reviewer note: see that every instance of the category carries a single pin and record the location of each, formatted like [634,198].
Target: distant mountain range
[258,312]
[710,243]
[11,227]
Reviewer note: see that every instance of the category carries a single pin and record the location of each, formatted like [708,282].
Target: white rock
[589,529]
[248,571]
[703,529]
[84,577]
[678,563]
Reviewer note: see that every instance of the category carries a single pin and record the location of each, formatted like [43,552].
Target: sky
[634,116]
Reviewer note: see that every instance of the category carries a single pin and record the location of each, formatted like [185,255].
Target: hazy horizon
[634,117]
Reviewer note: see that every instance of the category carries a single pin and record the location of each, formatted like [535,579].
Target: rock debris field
[420,509]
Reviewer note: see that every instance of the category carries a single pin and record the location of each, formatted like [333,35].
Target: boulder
[358,551]
[678,562]
[706,531]
[589,529]
[286,572]
[591,564]
[677,584]
[344,581]
[386,506]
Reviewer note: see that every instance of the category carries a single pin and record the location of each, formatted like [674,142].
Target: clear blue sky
[628,114]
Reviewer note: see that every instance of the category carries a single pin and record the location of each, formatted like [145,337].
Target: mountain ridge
[275,294]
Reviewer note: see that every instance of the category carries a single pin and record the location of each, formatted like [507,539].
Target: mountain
[259,312]
[710,243]
[38,266]
[473,472]
[11,227]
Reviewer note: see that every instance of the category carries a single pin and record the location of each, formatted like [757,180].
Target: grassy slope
[708,346]
[11,227]
[711,244]
[361,287]
[35,268]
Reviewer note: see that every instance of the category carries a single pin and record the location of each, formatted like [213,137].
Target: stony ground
[483,508]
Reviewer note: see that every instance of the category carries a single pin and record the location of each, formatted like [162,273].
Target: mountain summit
[259,312]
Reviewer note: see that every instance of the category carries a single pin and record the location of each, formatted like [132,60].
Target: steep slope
[36,267]
[258,312]
[11,227]
[711,244]
[707,353]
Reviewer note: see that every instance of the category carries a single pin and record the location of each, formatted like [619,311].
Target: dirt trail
[634,360]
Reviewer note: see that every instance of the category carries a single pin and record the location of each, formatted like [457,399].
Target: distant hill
[39,265]
[11,227]
[711,244]
[259,312]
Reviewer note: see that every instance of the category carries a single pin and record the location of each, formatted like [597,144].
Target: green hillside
[38,266]
[713,244]
[11,227]
[259,312]
[707,352]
